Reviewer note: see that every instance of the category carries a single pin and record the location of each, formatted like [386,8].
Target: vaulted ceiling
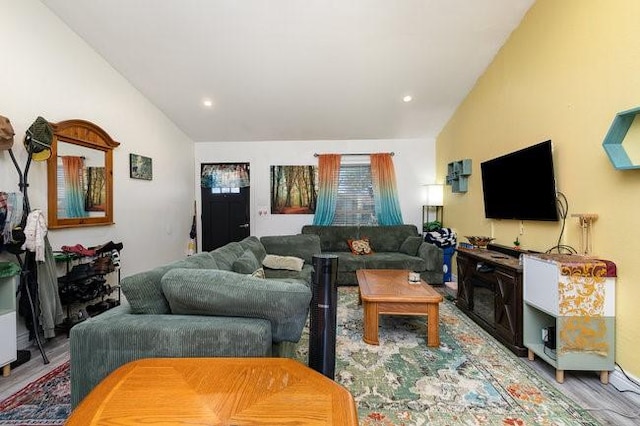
[298,69]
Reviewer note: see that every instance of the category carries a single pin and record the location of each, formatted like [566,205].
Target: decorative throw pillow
[258,273]
[290,263]
[411,245]
[360,246]
[247,263]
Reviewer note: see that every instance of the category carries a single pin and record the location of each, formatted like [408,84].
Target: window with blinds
[355,204]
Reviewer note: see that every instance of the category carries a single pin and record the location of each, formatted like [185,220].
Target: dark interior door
[225,216]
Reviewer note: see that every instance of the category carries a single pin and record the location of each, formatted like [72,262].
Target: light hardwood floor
[606,404]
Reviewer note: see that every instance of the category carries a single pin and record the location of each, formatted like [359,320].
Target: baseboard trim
[618,379]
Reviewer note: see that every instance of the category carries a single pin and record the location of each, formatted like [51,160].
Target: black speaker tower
[322,327]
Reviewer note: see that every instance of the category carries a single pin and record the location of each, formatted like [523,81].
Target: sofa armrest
[212,292]
[101,344]
[432,255]
[303,246]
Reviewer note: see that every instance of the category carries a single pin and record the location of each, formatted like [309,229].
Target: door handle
[244,225]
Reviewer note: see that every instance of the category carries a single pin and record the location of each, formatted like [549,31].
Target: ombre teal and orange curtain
[328,173]
[73,168]
[385,190]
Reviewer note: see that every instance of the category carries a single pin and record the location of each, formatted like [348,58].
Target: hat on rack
[38,139]
[6,133]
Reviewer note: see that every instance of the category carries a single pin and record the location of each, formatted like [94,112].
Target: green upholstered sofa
[207,305]
[394,247]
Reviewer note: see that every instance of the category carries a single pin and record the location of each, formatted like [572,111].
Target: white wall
[414,162]
[48,70]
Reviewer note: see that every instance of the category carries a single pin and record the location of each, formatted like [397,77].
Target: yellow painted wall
[563,74]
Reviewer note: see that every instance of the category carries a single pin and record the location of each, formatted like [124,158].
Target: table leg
[370,323]
[433,317]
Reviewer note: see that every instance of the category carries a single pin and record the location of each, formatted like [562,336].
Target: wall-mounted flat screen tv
[521,185]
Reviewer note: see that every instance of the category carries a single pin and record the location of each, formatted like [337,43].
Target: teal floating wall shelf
[458,173]
[613,141]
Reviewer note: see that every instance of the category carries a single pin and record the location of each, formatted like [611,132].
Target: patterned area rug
[470,380]
[46,401]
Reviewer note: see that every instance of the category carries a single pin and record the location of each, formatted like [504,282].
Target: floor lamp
[432,209]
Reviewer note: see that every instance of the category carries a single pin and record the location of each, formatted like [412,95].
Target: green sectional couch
[207,305]
[394,247]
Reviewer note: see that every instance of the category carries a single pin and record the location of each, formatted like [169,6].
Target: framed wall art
[294,189]
[140,167]
[96,190]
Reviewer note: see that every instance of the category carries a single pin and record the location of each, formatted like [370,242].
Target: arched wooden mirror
[80,175]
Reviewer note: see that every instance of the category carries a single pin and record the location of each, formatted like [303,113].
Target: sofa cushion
[144,292]
[387,238]
[202,260]
[214,292]
[253,243]
[360,247]
[394,261]
[290,263]
[227,254]
[304,246]
[305,275]
[332,238]
[348,261]
[246,264]
[410,245]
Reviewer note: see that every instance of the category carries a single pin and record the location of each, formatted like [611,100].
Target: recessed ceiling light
[407,98]
[207,103]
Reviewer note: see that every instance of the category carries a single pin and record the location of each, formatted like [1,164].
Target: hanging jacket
[35,230]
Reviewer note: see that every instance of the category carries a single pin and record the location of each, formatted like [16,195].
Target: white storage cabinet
[561,292]
[9,346]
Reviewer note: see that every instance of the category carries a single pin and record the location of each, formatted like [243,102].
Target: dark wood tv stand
[490,293]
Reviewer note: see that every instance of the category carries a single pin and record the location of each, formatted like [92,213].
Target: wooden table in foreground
[388,292]
[216,391]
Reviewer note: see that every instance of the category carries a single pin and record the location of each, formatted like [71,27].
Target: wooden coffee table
[216,391]
[388,292]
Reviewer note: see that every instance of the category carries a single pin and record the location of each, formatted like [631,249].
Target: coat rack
[37,143]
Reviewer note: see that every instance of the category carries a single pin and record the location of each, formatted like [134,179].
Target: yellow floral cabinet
[569,312]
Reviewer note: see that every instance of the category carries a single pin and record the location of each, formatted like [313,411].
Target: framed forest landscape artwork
[96,197]
[140,167]
[294,189]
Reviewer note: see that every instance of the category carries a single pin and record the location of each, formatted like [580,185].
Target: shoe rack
[84,288]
